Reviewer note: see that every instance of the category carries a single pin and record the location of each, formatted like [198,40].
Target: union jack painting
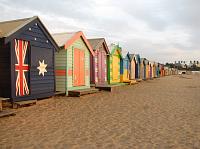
[21,68]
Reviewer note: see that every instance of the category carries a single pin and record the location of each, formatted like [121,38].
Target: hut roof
[146,62]
[114,47]
[66,39]
[97,42]
[9,27]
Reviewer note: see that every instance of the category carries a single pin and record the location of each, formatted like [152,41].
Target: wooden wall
[5,80]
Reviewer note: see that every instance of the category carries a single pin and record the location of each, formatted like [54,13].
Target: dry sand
[161,113]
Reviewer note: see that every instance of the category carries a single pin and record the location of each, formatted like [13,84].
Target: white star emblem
[42,68]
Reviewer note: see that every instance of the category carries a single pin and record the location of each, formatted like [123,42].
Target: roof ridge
[61,33]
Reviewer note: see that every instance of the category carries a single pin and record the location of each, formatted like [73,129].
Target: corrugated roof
[7,28]
[96,42]
[62,38]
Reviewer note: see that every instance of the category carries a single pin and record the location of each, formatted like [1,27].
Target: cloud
[161,30]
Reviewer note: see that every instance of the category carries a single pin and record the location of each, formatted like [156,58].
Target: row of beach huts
[35,64]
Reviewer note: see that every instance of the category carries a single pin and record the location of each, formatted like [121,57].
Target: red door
[82,68]
[79,69]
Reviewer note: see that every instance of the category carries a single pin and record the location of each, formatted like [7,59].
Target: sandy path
[161,113]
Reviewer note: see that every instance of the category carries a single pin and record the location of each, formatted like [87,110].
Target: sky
[159,30]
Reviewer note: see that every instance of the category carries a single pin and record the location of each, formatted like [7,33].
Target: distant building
[187,64]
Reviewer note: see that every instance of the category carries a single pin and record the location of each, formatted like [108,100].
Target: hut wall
[61,65]
[5,75]
[132,70]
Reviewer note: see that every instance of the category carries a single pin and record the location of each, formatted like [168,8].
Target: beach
[161,113]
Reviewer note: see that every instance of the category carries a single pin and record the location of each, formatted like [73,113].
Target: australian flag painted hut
[26,60]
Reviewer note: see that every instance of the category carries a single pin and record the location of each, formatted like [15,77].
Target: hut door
[101,67]
[115,67]
[22,67]
[79,69]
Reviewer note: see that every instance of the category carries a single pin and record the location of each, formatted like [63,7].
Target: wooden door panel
[99,66]
[81,68]
[103,67]
[115,67]
[76,67]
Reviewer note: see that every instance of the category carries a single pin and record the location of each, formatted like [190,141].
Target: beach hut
[137,66]
[147,69]
[142,69]
[150,70]
[115,59]
[156,70]
[132,66]
[166,71]
[125,68]
[98,62]
[26,60]
[162,71]
[72,62]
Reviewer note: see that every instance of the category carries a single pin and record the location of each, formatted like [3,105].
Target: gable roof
[113,48]
[10,28]
[66,39]
[136,57]
[131,55]
[97,42]
[146,62]
[142,60]
[7,28]
[126,55]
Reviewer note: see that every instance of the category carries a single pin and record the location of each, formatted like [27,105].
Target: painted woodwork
[26,46]
[125,68]
[115,58]
[72,62]
[99,62]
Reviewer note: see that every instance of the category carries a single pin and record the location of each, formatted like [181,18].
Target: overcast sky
[160,30]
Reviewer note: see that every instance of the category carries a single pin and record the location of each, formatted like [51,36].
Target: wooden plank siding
[132,69]
[61,64]
[5,75]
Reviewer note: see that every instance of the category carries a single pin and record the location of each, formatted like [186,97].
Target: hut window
[36,24]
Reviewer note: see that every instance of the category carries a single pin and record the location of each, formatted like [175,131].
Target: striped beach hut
[72,62]
[115,59]
[147,69]
[137,66]
[142,69]
[98,62]
[156,69]
[151,72]
[162,71]
[132,66]
[26,60]
[125,68]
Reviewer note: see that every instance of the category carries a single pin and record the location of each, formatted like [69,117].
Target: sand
[161,113]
